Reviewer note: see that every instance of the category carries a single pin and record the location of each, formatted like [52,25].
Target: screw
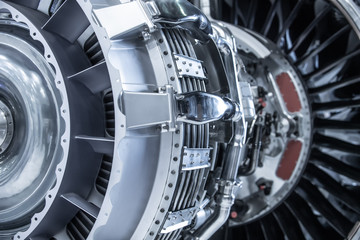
[146,35]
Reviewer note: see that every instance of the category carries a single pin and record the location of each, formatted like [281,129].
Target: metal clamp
[195,158]
[187,66]
[182,14]
[200,108]
[179,219]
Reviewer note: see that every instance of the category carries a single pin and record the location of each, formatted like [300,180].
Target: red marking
[234,214]
[289,159]
[288,92]
[262,187]
[261,101]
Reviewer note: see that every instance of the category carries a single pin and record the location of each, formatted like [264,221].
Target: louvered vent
[191,183]
[102,180]
[93,50]
[80,226]
[109,114]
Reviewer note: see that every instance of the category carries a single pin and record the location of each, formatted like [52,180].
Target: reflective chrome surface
[283,127]
[30,114]
[182,14]
[6,127]
[201,108]
[143,148]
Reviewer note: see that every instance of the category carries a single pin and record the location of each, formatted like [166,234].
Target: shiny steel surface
[26,166]
[289,126]
[6,127]
[140,156]
[201,108]
[272,64]
[182,14]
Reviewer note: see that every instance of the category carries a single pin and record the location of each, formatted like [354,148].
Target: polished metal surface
[6,127]
[105,16]
[148,104]
[182,14]
[31,130]
[201,108]
[167,82]
[224,200]
[247,101]
[272,65]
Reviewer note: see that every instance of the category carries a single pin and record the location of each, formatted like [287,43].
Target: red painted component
[289,159]
[234,214]
[262,102]
[288,92]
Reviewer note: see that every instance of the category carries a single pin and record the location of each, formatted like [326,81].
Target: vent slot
[80,226]
[109,113]
[93,50]
[102,180]
[190,183]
